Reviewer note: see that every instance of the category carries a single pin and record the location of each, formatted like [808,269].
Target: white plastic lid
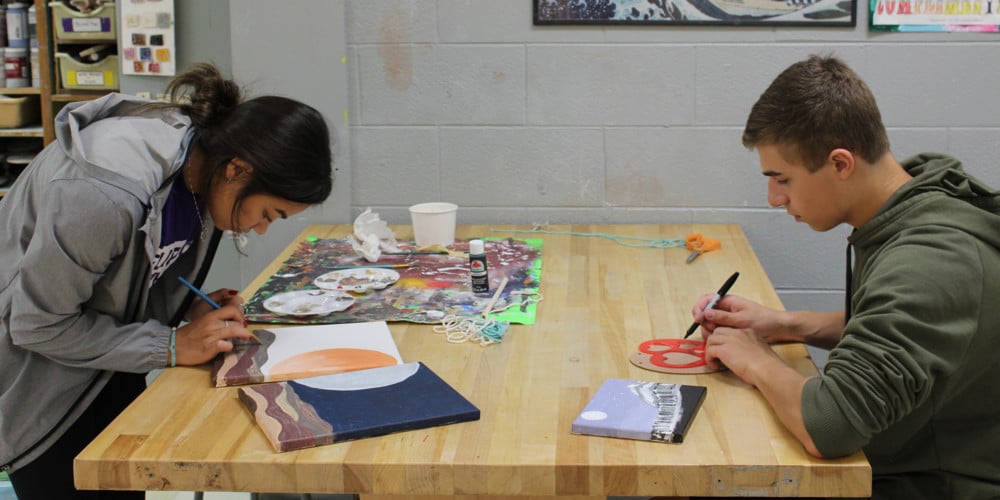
[20,159]
[476,247]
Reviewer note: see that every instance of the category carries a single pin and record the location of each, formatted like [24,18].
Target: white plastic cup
[434,223]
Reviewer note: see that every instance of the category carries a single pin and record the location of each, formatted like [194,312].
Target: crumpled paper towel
[371,236]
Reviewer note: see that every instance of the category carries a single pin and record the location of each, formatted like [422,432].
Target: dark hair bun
[211,97]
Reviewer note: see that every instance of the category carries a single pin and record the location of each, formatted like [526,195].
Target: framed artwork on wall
[828,13]
[933,15]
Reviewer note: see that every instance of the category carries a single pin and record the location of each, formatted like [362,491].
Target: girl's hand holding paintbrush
[203,338]
[215,320]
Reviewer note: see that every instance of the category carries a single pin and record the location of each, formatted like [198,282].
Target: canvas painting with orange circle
[306,351]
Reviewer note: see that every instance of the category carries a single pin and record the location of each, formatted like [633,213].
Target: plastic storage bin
[101,75]
[18,111]
[70,24]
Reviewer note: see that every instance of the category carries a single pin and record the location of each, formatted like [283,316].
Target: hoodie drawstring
[849,286]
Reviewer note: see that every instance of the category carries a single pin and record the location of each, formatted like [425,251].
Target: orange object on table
[699,244]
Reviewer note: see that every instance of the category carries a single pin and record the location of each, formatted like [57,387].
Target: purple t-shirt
[181,225]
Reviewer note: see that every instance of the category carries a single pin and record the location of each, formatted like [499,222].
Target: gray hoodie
[77,234]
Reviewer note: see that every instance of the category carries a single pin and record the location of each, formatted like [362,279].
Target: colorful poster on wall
[147,37]
[934,15]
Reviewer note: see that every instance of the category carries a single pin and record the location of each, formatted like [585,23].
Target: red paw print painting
[672,356]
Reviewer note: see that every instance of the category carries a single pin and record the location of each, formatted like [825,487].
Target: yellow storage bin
[18,111]
[70,24]
[101,75]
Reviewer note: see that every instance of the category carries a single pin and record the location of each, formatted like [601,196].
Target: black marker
[722,293]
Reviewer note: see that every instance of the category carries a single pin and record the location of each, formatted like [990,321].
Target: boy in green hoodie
[911,374]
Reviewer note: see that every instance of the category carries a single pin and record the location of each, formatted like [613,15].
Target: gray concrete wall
[467,101]
[298,50]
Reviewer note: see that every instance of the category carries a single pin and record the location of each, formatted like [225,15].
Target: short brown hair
[813,107]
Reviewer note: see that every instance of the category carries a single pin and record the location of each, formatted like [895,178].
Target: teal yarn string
[646,242]
[494,330]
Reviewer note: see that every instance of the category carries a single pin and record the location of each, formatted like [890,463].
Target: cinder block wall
[467,101]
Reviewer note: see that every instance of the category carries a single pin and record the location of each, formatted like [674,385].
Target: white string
[459,329]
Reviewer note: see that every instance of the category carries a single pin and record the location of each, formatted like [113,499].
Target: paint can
[477,267]
[36,75]
[3,25]
[17,25]
[32,27]
[17,67]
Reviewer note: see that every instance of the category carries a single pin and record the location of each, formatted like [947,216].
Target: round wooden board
[681,358]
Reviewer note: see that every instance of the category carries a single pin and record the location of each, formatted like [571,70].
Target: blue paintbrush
[207,299]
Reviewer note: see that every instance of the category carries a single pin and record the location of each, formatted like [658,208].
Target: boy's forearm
[782,388]
[819,329]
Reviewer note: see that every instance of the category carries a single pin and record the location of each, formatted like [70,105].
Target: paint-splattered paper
[434,286]
[323,410]
[306,351]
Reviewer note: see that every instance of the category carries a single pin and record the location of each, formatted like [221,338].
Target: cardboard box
[18,111]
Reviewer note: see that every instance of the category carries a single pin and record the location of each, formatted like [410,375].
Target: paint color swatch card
[306,351]
[641,410]
[323,410]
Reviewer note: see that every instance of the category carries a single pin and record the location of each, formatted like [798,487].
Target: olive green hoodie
[913,380]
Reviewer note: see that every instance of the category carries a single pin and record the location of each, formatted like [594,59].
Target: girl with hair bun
[95,234]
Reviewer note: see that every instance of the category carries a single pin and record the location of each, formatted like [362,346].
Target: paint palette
[361,279]
[308,302]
